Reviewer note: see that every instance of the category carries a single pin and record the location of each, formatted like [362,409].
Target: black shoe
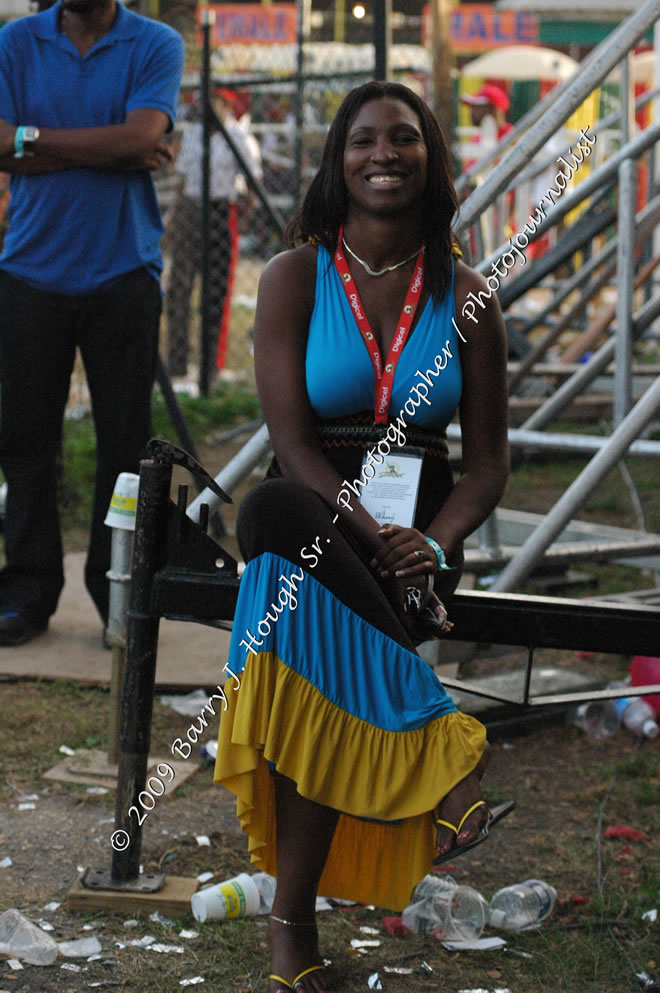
[17,627]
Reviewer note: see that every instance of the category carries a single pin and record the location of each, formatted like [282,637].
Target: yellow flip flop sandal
[278,979]
[301,975]
[494,815]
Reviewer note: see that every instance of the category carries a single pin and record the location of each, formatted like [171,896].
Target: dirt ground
[568,790]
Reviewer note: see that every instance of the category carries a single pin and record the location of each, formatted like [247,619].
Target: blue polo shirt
[79,230]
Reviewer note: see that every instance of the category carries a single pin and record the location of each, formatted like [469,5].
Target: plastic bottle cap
[496,918]
[650,728]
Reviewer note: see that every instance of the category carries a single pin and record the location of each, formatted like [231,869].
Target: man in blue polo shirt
[87,91]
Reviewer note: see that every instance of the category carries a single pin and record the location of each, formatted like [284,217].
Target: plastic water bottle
[636,714]
[446,911]
[266,885]
[523,905]
[597,718]
[638,717]
[645,671]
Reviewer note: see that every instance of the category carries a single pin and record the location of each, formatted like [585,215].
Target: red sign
[478,27]
[253,23]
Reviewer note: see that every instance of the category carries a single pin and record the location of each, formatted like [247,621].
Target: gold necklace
[381,272]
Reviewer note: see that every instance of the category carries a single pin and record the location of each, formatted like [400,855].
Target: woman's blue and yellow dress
[332,692]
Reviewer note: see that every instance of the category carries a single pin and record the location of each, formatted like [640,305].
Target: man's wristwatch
[24,141]
[30,135]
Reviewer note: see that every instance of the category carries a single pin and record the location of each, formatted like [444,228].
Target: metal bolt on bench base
[148,882]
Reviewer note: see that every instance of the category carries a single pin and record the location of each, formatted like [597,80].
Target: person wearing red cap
[488,108]
[489,102]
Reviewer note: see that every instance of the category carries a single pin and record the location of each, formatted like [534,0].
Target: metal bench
[181,573]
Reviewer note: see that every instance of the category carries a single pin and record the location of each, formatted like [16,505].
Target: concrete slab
[189,655]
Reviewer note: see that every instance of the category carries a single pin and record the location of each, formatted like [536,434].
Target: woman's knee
[276,515]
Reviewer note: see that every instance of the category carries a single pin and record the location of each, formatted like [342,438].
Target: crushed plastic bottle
[597,718]
[266,886]
[21,939]
[446,911]
[522,905]
[639,717]
[635,713]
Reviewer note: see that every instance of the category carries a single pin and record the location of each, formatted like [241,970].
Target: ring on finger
[418,553]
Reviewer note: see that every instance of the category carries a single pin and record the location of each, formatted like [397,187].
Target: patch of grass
[76,486]
[225,406]
[204,415]
[40,716]
[537,482]
[73,716]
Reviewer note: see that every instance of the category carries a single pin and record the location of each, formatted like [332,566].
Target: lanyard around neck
[383,378]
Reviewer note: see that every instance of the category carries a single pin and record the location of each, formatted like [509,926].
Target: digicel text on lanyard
[383,378]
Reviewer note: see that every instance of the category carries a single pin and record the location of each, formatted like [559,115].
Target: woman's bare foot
[293,949]
[453,807]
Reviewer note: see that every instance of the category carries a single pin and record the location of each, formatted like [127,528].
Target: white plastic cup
[123,504]
[236,897]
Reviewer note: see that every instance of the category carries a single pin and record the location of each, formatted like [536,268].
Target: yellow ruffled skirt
[358,721]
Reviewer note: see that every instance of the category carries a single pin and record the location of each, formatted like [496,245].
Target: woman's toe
[474,824]
[444,841]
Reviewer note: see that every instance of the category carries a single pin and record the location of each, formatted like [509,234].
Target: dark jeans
[116,331]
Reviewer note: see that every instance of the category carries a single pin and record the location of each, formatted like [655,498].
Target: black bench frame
[180,572]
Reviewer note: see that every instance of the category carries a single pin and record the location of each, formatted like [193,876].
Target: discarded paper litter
[189,704]
[158,918]
[82,948]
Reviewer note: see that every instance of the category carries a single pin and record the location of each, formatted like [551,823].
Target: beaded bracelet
[440,555]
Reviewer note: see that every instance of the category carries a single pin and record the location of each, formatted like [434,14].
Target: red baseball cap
[227,95]
[487,94]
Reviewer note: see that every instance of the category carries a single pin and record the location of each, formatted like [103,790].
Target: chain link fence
[278,120]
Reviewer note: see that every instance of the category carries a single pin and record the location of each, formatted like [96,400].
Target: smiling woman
[351,765]
[385,159]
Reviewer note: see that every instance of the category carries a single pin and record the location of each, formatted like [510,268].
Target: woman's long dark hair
[326,203]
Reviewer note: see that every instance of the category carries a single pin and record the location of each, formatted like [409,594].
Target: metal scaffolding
[601,262]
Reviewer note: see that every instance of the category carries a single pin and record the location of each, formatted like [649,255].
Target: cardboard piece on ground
[91,766]
[189,655]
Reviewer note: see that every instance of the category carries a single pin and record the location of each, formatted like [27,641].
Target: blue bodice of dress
[338,369]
